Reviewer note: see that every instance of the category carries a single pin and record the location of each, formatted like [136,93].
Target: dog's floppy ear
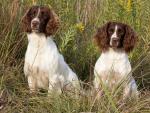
[53,23]
[130,39]
[101,37]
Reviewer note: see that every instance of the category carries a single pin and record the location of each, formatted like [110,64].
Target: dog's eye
[111,30]
[33,14]
[120,31]
[43,14]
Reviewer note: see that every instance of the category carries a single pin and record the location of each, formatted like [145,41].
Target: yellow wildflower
[80,27]
[129,5]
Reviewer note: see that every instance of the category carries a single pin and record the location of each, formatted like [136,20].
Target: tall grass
[79,21]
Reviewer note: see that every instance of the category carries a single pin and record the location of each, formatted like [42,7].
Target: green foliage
[79,21]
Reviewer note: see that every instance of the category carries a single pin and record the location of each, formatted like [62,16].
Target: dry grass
[79,20]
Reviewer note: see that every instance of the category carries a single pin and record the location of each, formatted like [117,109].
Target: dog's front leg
[55,86]
[32,84]
[130,90]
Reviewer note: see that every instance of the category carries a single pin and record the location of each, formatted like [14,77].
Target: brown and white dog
[115,40]
[44,66]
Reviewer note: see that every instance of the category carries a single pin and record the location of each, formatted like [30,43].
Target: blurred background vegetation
[79,21]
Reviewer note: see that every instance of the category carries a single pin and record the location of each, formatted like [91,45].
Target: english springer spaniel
[44,66]
[115,40]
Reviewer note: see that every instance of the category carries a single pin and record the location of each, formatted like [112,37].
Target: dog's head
[115,35]
[40,19]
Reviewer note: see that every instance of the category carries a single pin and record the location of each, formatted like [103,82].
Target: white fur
[45,66]
[114,35]
[116,61]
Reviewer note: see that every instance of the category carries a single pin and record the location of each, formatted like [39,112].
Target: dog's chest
[37,58]
[115,63]
[40,57]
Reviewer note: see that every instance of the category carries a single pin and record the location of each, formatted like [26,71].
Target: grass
[79,20]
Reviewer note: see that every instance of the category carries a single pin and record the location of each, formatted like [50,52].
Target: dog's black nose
[35,23]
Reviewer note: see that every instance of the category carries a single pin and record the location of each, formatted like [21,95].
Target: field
[79,21]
